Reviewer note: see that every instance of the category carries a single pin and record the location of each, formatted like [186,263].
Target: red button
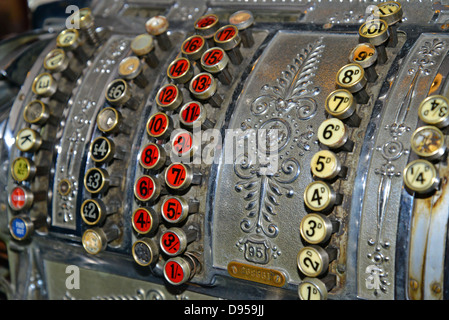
[143,221]
[170,243]
[18,198]
[145,188]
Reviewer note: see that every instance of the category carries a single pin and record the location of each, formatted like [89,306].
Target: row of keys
[428,143]
[316,227]
[57,63]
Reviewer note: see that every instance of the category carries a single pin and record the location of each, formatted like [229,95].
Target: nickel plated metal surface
[389,244]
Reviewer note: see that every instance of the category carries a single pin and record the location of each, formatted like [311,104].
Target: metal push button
[365,54]
[98,180]
[341,104]
[145,221]
[215,61]
[95,211]
[194,114]
[352,78]
[180,70]
[85,20]
[334,134]
[206,26]
[36,112]
[183,144]
[313,260]
[169,97]
[44,85]
[104,150]
[421,177]
[147,188]
[243,20]
[428,142]
[24,169]
[70,41]
[179,176]
[152,157]
[228,39]
[29,140]
[159,126]
[96,240]
[326,165]
[316,228]
[319,196]
[375,31]
[22,227]
[21,198]
[204,87]
[175,209]
[193,47]
[110,121]
[118,93]
[174,241]
[143,47]
[434,110]
[179,270]
[56,61]
[391,13]
[157,26]
[131,69]
[316,289]
[145,251]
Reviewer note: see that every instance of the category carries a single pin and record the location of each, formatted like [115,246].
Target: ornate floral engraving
[281,110]
[392,150]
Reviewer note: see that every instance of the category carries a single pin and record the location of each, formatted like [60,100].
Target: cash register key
[169,97]
[365,54]
[228,39]
[326,165]
[157,26]
[174,241]
[316,228]
[118,93]
[70,41]
[179,176]
[175,209]
[44,85]
[179,270]
[110,121]
[319,196]
[36,112]
[145,251]
[204,87]
[313,261]
[194,114]
[334,134]
[421,177]
[22,227]
[215,61]
[375,31]
[131,69]
[96,239]
[147,188]
[95,211]
[145,221]
[244,20]
[24,169]
[434,110]
[29,140]
[180,70]
[341,104]
[85,20]
[352,78]
[316,289]
[143,47]
[391,13]
[98,180]
[152,157]
[193,47]
[159,126]
[56,61]
[206,26]
[104,150]
[21,198]
[428,142]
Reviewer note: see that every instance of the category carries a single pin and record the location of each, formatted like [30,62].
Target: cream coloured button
[316,228]
[375,31]
[391,13]
[341,104]
[131,69]
[313,260]
[326,165]
[44,85]
[352,78]
[428,142]
[316,289]
[96,239]
[157,26]
[29,140]
[319,196]
[143,46]
[420,176]
[434,110]
[334,134]
[365,54]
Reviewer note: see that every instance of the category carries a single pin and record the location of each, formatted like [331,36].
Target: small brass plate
[256,274]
